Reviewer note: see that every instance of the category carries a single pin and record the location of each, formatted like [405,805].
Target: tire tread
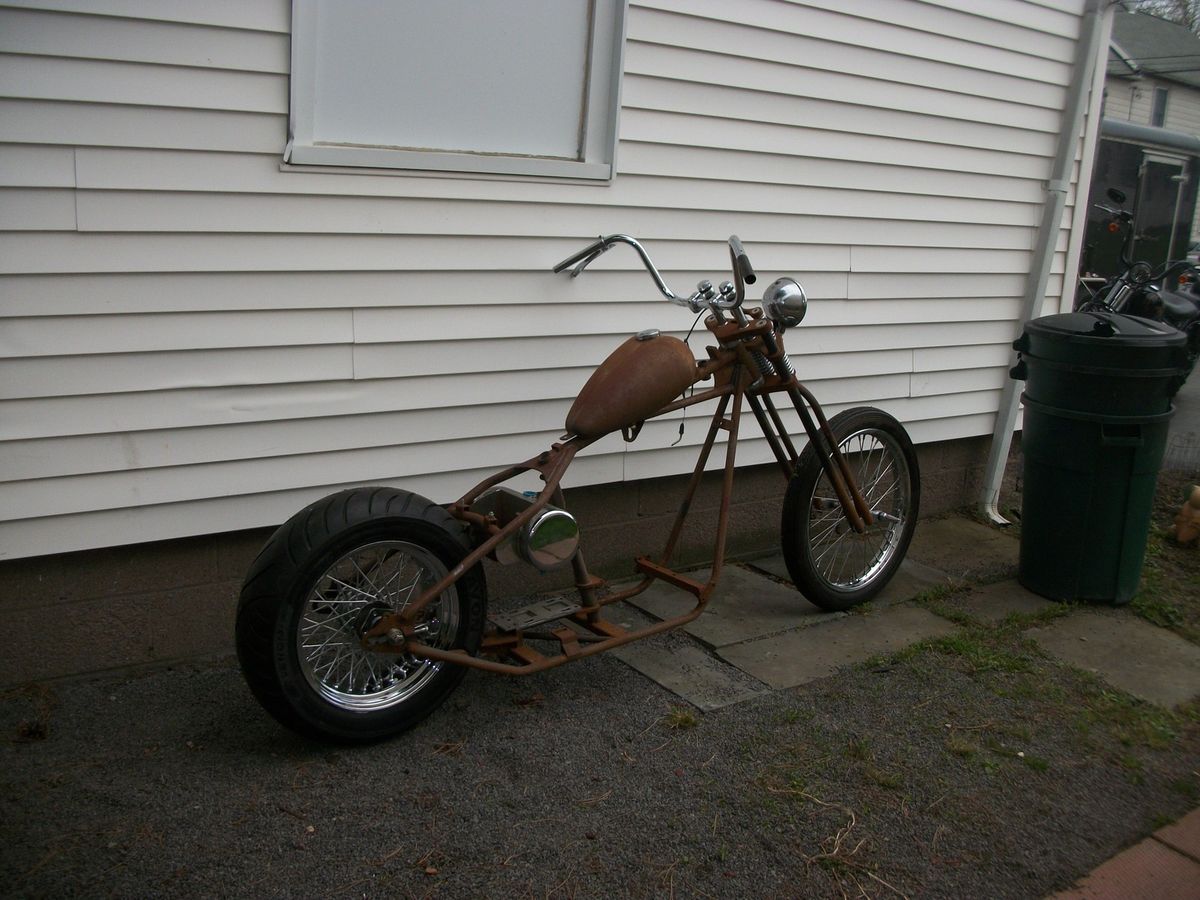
[290,556]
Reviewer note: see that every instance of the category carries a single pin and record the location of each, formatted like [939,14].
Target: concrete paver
[965,549]
[911,579]
[1147,871]
[1183,445]
[691,673]
[745,605]
[1135,656]
[1183,836]
[994,602]
[801,656]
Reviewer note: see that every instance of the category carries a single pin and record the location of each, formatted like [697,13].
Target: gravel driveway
[934,773]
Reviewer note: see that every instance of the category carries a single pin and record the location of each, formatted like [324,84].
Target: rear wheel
[325,578]
[834,566]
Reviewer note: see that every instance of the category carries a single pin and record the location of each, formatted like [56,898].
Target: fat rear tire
[321,579]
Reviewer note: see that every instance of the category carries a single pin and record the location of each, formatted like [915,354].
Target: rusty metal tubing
[408,615]
[462,658]
[826,448]
[698,473]
[492,480]
[594,647]
[764,423]
[585,584]
[711,394]
[793,456]
[860,502]
[727,486]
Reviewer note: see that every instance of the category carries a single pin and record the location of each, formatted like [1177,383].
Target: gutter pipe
[1095,26]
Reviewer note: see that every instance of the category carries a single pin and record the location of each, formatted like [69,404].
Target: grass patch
[858,749]
[680,719]
[961,747]
[794,716]
[939,593]
[1036,762]
[937,600]
[1152,602]
[893,781]
[1019,621]
[1132,722]
[1156,610]
[1187,787]
[980,651]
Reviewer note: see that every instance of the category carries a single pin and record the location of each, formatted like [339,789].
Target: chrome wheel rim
[348,597]
[844,559]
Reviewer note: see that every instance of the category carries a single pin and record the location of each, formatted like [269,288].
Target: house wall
[198,340]
[1133,101]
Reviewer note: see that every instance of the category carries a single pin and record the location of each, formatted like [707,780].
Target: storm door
[1162,181]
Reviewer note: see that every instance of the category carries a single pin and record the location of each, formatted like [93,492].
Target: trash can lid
[1104,339]
[1109,327]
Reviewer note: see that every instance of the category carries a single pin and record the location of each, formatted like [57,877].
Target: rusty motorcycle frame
[364,611]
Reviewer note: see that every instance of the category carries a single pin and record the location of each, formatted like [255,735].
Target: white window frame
[597,159]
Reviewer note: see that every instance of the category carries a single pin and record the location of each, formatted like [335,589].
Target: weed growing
[679,719]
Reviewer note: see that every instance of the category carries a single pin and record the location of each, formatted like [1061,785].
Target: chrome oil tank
[547,541]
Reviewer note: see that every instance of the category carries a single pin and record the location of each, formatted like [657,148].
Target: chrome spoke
[844,558]
[366,583]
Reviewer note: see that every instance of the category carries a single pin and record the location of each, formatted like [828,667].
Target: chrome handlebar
[703,297]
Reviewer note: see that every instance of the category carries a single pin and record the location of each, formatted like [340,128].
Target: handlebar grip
[589,250]
[741,260]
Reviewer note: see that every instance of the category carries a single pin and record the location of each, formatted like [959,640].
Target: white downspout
[1095,27]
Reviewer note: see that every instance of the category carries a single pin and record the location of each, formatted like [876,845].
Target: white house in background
[1150,140]
[251,255]
[1153,73]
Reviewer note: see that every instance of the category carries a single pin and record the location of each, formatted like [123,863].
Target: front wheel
[326,577]
[834,566]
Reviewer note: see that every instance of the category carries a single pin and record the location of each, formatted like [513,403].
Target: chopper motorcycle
[1170,294]
[364,610]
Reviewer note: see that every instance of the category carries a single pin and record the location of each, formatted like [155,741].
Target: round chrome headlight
[785,302]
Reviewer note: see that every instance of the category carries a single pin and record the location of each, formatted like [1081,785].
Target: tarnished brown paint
[639,381]
[632,385]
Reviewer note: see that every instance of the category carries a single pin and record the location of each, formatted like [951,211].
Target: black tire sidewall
[794,527]
[286,585]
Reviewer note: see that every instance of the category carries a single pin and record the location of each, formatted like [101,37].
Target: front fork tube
[837,470]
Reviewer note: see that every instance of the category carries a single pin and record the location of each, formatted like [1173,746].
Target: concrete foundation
[168,601]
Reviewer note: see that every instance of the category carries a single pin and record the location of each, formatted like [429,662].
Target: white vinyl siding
[195,339]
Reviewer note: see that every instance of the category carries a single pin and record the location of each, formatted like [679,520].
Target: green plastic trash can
[1098,389]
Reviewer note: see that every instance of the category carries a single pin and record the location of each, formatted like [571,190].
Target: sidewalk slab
[994,602]
[1183,836]
[691,673]
[799,657]
[911,578]
[965,549]
[1133,655]
[1147,871]
[745,605]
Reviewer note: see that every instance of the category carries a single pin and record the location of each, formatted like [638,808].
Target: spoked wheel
[834,566]
[325,578]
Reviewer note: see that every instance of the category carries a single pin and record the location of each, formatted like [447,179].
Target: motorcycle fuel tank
[641,376]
